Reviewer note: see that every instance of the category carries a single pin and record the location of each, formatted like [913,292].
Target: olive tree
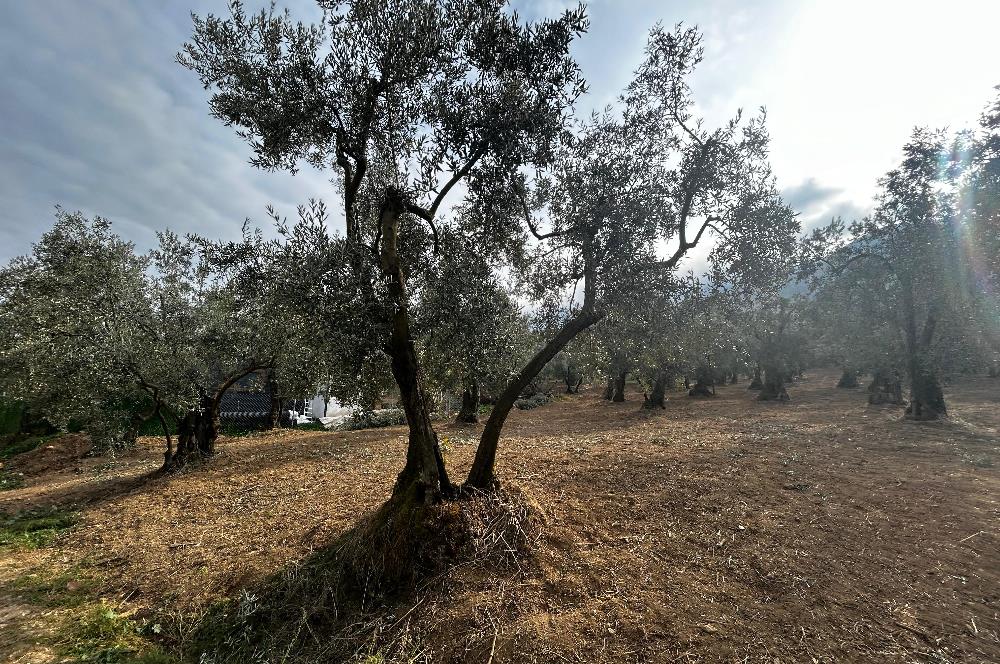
[119,337]
[78,332]
[472,333]
[912,245]
[414,102]
[630,183]
[405,100]
[669,350]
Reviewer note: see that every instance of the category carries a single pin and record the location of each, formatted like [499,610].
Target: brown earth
[58,453]
[717,530]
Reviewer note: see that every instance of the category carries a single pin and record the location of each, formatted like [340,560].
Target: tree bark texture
[658,394]
[424,476]
[619,392]
[481,476]
[469,414]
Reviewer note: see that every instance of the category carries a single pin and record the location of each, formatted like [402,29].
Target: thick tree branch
[428,214]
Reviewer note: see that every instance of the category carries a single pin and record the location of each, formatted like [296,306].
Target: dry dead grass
[716,530]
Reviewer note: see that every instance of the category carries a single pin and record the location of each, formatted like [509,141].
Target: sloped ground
[717,530]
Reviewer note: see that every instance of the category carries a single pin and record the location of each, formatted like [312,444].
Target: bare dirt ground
[717,530]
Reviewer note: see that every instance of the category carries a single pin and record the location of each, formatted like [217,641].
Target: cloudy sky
[96,116]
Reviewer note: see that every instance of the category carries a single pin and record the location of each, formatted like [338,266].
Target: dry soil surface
[716,530]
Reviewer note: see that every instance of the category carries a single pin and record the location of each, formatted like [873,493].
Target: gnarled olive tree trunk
[704,383]
[773,388]
[196,434]
[424,477]
[469,414]
[926,395]
[848,379]
[198,429]
[481,476]
[756,383]
[618,394]
[657,396]
[885,387]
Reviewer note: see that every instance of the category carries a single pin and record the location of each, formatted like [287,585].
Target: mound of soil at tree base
[400,554]
[60,453]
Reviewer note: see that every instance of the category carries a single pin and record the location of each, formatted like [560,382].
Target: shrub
[11,415]
[9,480]
[311,426]
[374,419]
[19,444]
[102,634]
[535,401]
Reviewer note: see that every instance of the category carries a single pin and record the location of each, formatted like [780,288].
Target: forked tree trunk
[469,414]
[619,392]
[423,478]
[848,379]
[196,434]
[658,394]
[481,476]
[773,388]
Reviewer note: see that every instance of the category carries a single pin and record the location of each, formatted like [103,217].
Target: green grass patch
[310,426]
[21,445]
[9,480]
[32,529]
[103,635]
[55,588]
[237,430]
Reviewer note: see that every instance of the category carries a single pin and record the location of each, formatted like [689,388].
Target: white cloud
[97,116]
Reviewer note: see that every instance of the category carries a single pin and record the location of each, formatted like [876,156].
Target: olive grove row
[494,235]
